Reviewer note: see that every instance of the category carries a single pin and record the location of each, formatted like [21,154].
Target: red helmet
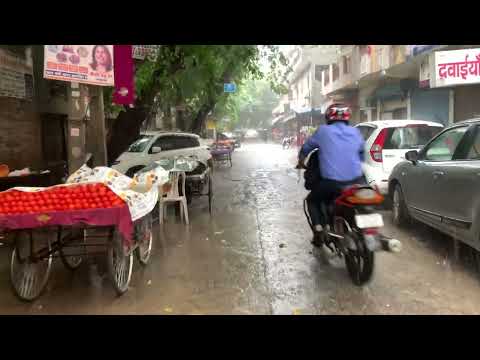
[338,112]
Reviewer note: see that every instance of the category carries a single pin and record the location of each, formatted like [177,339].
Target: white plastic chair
[173,196]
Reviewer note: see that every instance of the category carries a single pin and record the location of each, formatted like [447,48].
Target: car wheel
[399,208]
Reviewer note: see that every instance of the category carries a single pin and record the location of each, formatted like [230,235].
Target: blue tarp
[415,50]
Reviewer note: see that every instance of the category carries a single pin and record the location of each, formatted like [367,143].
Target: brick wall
[20,134]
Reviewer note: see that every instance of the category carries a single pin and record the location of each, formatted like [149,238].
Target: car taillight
[377,147]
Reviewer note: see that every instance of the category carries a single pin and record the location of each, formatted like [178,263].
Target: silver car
[440,184]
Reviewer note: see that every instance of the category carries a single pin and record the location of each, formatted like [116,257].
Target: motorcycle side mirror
[412,156]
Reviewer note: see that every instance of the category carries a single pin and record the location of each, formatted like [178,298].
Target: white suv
[155,145]
[387,141]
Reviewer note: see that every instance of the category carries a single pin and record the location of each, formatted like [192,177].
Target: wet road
[254,257]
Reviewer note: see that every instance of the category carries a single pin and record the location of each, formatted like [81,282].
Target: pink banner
[124,93]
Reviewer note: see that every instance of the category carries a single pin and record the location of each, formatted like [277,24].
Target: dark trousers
[326,191]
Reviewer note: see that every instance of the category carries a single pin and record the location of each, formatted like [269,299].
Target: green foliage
[250,107]
[193,75]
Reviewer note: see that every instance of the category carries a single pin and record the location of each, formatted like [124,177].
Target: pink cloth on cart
[119,216]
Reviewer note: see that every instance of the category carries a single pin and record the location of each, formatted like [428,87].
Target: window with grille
[335,72]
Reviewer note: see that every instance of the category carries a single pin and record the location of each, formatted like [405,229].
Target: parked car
[251,134]
[152,146]
[386,143]
[206,143]
[440,184]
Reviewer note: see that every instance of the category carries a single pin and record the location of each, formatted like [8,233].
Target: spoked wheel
[359,262]
[145,240]
[69,253]
[120,265]
[29,274]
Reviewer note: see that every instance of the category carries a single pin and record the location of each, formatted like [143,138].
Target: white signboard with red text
[88,64]
[456,67]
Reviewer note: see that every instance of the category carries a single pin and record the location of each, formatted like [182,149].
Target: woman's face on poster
[101,56]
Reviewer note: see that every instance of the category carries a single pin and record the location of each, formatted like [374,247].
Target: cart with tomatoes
[98,211]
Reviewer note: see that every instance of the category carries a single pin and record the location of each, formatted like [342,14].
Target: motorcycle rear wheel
[360,263]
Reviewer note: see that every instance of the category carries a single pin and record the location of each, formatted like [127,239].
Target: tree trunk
[202,114]
[125,130]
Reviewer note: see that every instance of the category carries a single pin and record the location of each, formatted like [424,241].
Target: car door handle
[438,173]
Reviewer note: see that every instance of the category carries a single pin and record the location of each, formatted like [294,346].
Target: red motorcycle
[353,230]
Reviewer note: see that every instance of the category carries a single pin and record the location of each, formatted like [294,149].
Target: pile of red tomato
[59,198]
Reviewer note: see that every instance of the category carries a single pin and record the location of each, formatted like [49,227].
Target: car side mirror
[412,156]
[156,149]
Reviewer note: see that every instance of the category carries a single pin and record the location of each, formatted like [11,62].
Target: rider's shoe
[318,237]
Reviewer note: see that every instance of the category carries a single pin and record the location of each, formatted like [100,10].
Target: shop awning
[277,119]
[288,118]
[302,110]
[307,110]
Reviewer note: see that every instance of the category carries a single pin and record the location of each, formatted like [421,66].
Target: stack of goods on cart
[59,198]
[92,196]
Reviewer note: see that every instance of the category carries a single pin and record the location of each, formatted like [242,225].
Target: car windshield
[410,137]
[141,144]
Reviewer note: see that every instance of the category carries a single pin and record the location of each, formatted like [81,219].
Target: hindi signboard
[88,64]
[457,67]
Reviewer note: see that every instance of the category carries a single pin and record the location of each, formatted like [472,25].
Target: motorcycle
[353,230]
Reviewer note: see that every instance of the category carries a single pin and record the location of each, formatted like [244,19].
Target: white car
[155,145]
[387,141]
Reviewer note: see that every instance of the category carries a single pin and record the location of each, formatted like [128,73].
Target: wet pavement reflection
[253,256]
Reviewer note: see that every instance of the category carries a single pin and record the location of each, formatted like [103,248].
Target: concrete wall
[20,134]
[20,126]
[50,95]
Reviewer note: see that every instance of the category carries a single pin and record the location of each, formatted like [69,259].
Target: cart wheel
[145,240]
[119,265]
[210,194]
[29,275]
[72,262]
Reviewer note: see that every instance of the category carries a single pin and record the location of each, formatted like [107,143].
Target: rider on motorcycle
[340,154]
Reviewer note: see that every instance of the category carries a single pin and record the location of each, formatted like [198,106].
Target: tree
[251,106]
[191,76]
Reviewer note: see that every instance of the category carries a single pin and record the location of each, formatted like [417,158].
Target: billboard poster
[87,64]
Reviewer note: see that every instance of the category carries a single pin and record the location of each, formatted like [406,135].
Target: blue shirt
[340,151]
